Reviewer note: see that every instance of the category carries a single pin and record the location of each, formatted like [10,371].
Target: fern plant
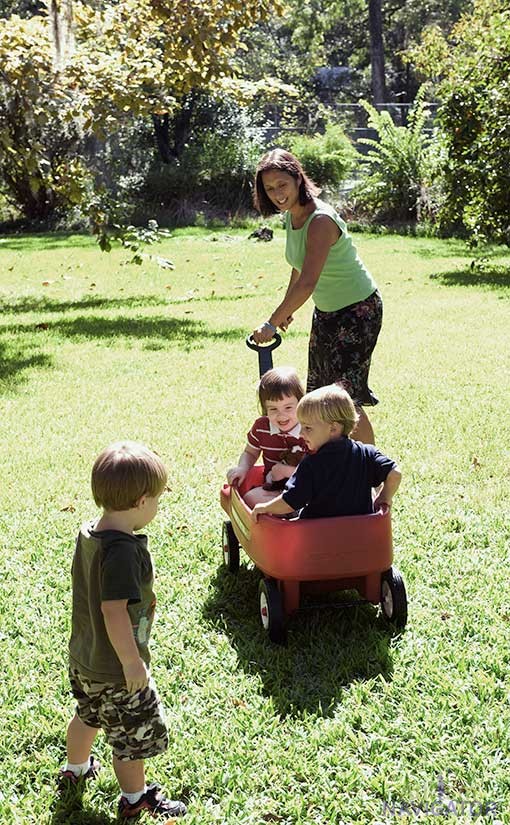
[398,169]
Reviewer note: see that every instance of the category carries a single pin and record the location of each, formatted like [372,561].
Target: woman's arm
[322,234]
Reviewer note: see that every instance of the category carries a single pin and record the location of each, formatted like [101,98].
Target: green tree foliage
[130,58]
[38,134]
[312,34]
[398,166]
[473,73]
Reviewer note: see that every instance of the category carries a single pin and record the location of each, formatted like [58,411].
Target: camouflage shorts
[134,723]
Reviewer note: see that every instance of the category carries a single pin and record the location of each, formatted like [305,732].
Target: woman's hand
[263,333]
[284,327]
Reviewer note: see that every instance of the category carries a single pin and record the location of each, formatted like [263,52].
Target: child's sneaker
[154,802]
[66,779]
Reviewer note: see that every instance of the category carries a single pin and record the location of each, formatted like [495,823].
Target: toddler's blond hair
[331,404]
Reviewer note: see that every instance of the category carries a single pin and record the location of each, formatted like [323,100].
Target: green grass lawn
[351,722]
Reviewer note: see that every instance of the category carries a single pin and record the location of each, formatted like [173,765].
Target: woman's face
[281,188]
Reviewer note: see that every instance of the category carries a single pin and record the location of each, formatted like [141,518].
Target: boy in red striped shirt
[276,434]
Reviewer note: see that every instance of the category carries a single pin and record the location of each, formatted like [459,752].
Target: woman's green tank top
[344,279]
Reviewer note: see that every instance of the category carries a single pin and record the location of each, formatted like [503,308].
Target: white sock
[133,798]
[78,769]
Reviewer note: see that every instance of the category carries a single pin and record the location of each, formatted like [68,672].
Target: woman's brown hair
[279,159]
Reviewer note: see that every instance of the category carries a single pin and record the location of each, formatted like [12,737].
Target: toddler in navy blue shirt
[339,475]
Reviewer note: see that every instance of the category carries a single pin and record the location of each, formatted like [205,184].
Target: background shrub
[328,159]
[213,171]
[398,171]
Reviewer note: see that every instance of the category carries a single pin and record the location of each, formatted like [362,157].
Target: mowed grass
[352,722]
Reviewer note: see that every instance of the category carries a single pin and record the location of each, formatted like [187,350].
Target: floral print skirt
[341,346]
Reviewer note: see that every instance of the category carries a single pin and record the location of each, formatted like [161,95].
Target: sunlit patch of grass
[349,717]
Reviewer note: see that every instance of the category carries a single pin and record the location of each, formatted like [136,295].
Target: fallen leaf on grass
[239,703]
[69,508]
[475,463]
[164,263]
[42,325]
[47,283]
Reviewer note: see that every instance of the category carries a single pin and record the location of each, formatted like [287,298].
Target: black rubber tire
[271,611]
[230,547]
[394,597]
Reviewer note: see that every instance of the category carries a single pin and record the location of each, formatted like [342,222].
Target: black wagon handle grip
[264,351]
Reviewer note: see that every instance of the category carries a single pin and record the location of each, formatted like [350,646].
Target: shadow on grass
[156,332]
[45,240]
[491,277]
[328,648]
[15,361]
[69,809]
[32,304]
[22,351]
[453,248]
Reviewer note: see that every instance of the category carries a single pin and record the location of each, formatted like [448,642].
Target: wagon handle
[264,351]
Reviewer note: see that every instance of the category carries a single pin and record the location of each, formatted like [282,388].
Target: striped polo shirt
[272,442]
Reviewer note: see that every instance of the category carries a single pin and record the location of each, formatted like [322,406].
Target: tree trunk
[376,51]
[161,133]
[182,123]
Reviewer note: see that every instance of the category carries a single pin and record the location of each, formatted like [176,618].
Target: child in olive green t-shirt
[113,610]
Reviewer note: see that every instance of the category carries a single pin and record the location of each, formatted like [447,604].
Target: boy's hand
[281,470]
[236,476]
[257,511]
[136,675]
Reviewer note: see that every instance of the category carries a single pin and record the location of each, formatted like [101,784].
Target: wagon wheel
[230,547]
[393,597]
[271,611]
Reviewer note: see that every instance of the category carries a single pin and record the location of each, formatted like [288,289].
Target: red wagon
[299,556]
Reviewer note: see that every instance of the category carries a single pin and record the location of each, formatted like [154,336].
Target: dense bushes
[474,85]
[213,173]
[328,159]
[397,172]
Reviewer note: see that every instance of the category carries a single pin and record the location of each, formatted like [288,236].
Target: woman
[325,265]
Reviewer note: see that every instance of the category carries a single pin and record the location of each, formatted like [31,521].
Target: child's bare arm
[120,632]
[277,506]
[389,488]
[247,459]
